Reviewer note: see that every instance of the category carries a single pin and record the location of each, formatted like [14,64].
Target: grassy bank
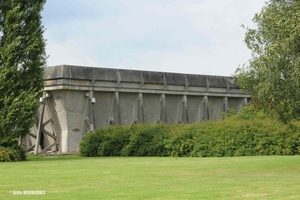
[73,177]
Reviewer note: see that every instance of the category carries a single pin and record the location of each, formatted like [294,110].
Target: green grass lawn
[73,177]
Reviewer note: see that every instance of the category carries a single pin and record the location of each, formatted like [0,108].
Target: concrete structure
[78,100]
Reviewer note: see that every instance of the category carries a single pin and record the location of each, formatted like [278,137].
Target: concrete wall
[78,100]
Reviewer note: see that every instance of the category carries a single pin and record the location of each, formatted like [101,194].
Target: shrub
[149,140]
[91,142]
[12,154]
[115,140]
[230,137]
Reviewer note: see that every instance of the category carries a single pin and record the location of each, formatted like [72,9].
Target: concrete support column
[225,105]
[55,122]
[46,132]
[85,114]
[141,116]
[185,114]
[205,108]
[163,109]
[39,130]
[245,102]
[93,101]
[117,105]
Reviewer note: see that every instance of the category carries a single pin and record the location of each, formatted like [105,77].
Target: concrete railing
[78,100]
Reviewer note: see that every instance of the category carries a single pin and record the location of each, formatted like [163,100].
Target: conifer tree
[22,58]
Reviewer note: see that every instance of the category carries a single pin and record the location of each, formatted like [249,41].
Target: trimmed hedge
[12,154]
[231,137]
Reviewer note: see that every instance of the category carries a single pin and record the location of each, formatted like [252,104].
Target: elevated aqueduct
[78,100]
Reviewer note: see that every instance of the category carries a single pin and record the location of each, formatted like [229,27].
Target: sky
[181,36]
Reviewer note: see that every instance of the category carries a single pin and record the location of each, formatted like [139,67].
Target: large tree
[22,58]
[273,74]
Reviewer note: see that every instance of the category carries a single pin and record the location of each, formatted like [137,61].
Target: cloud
[192,61]
[189,36]
[69,52]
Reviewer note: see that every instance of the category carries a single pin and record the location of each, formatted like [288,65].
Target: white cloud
[189,36]
[192,61]
[69,52]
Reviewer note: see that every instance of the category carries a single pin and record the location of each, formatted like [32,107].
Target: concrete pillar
[141,117]
[163,109]
[185,114]
[117,106]
[225,105]
[39,130]
[245,101]
[205,108]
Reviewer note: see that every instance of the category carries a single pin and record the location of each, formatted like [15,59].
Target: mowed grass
[74,177]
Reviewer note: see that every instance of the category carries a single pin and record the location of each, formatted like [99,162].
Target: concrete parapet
[78,100]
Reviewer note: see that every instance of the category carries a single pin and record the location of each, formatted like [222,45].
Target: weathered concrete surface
[78,100]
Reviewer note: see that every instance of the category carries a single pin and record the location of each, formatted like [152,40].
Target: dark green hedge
[231,137]
[12,154]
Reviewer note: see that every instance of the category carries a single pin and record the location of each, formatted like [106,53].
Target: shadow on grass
[47,157]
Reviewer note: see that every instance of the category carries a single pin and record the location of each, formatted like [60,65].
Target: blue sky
[182,36]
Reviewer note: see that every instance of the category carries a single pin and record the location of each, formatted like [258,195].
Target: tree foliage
[22,56]
[272,76]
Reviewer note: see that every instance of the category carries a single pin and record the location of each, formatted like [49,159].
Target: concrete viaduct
[78,100]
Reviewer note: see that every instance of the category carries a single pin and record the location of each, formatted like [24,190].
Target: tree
[273,74]
[22,56]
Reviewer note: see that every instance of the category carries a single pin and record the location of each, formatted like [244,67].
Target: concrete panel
[236,103]
[152,107]
[216,107]
[153,86]
[195,108]
[81,73]
[81,82]
[98,85]
[197,89]
[104,74]
[217,81]
[174,106]
[73,100]
[175,87]
[175,79]
[153,77]
[217,90]
[129,107]
[104,109]
[132,76]
[56,72]
[70,107]
[196,80]
[74,131]
[129,85]
[62,117]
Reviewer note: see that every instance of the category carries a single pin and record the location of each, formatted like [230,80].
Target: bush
[231,137]
[149,140]
[12,154]
[116,139]
[90,144]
